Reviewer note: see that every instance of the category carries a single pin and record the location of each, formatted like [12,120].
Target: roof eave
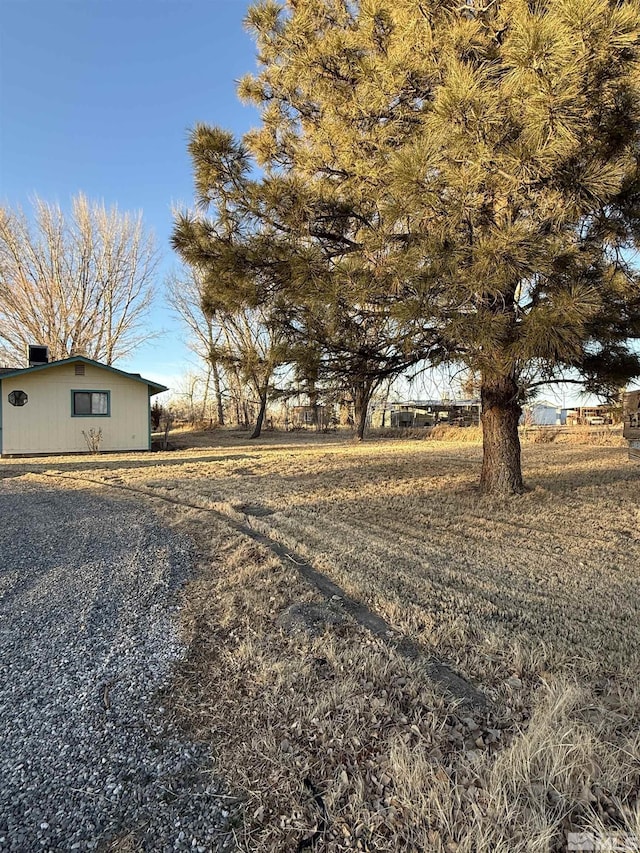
[156,386]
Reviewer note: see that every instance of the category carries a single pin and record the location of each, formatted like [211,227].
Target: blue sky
[98,96]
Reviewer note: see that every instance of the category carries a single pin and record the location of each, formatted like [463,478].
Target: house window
[18,398]
[90,404]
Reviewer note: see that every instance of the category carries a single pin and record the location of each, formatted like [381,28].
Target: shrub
[157,412]
[93,439]
[545,435]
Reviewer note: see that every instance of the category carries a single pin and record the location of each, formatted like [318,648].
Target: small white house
[52,408]
[543,413]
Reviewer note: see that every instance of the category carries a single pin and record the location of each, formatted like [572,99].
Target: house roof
[547,404]
[154,387]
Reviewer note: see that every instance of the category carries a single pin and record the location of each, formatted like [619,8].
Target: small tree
[156,416]
[255,348]
[166,423]
[186,293]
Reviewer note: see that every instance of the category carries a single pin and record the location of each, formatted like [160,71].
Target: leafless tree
[253,350]
[189,397]
[80,284]
[241,348]
[185,297]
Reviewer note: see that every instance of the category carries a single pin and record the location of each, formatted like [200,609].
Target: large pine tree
[473,166]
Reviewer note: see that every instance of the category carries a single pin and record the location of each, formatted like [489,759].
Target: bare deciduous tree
[80,284]
[189,397]
[241,346]
[254,348]
[185,297]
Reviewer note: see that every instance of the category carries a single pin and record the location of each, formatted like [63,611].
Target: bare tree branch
[80,284]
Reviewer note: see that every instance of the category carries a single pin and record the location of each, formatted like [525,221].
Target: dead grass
[534,599]
[464,435]
[606,436]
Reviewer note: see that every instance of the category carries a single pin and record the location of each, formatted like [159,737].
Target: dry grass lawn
[337,742]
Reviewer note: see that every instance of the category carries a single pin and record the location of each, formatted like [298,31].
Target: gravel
[88,604]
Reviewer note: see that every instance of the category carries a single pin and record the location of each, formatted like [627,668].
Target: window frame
[75,391]
[13,402]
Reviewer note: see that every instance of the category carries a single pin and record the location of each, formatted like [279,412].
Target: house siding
[46,425]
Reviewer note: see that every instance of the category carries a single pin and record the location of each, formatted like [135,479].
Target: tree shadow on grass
[578,477]
[101,463]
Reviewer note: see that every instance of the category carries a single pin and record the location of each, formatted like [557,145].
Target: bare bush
[544,435]
[93,438]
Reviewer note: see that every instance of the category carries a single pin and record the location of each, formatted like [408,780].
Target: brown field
[337,737]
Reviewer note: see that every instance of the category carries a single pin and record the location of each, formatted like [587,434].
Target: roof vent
[79,366]
[38,355]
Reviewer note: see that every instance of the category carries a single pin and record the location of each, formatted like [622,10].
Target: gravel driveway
[88,595]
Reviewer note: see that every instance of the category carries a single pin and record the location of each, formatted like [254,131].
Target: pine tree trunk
[501,463]
[218,393]
[361,397]
[263,408]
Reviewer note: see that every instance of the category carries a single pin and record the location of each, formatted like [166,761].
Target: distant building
[302,417]
[542,413]
[417,414]
[631,409]
[631,421]
[589,416]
